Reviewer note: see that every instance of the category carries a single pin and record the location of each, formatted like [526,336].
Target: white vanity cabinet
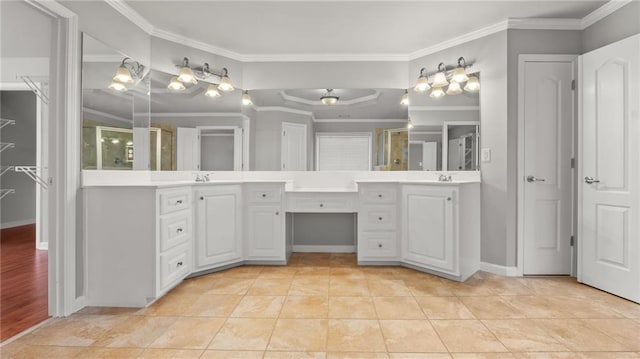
[265,223]
[378,223]
[218,226]
[441,229]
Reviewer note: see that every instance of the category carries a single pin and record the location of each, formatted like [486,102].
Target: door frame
[421,144]
[445,141]
[522,58]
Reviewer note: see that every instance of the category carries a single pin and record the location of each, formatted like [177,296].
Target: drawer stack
[378,223]
[174,237]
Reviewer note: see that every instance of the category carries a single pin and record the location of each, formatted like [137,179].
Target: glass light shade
[329,100]
[115,141]
[405,99]
[454,88]
[436,92]
[246,99]
[117,86]
[212,91]
[123,75]
[473,84]
[459,75]
[225,84]
[175,84]
[409,124]
[186,76]
[440,80]
[129,143]
[422,84]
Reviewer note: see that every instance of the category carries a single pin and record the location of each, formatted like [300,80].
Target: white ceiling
[340,27]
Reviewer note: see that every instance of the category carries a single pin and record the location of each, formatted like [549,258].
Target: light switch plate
[486,155]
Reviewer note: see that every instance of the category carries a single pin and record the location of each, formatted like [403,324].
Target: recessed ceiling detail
[347,97]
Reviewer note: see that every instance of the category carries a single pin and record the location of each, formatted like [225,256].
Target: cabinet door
[264,237]
[219,221]
[428,231]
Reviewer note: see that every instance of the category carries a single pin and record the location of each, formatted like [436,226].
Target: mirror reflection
[115,105]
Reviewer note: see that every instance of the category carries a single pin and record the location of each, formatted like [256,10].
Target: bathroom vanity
[144,236]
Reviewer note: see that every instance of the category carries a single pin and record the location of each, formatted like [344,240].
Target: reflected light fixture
[225,82]
[175,84]
[186,75]
[329,98]
[212,91]
[405,98]
[117,86]
[436,92]
[409,124]
[128,71]
[460,72]
[454,88]
[440,78]
[473,84]
[123,74]
[115,141]
[422,84]
[246,98]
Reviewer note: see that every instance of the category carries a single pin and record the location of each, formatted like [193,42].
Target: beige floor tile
[491,307]
[625,307]
[107,311]
[343,260]
[576,335]
[624,331]
[467,289]
[221,354]
[608,355]
[152,353]
[189,333]
[172,304]
[136,332]
[243,272]
[347,272]
[397,308]
[309,285]
[523,335]
[388,288]
[482,356]
[228,285]
[411,336]
[444,308]
[467,336]
[295,355]
[197,285]
[419,356]
[349,335]
[278,272]
[109,353]
[352,308]
[299,335]
[259,307]
[323,271]
[77,330]
[210,305]
[45,351]
[508,286]
[428,287]
[272,286]
[348,287]
[305,307]
[346,355]
[243,334]
[547,355]
[581,307]
[537,306]
[564,286]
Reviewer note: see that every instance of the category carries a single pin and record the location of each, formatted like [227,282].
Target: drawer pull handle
[179,264]
[379,196]
[321,205]
[179,230]
[448,198]
[277,213]
[264,195]
[379,245]
[379,218]
[179,201]
[202,198]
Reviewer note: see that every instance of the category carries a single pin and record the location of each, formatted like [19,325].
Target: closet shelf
[5,145]
[4,169]
[32,172]
[4,192]
[6,122]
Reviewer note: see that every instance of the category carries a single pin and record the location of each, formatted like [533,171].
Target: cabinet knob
[202,198]
[264,195]
[379,245]
[321,205]
[379,196]
[179,201]
[379,218]
[277,213]
[448,198]
[179,264]
[179,230]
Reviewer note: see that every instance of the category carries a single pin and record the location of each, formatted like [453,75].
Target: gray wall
[329,229]
[268,138]
[20,207]
[216,153]
[617,26]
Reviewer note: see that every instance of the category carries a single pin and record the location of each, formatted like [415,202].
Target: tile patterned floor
[324,306]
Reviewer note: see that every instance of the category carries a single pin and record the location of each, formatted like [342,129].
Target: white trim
[544,24]
[520,152]
[445,108]
[12,224]
[354,101]
[323,249]
[321,57]
[282,109]
[499,270]
[194,44]
[360,120]
[190,114]
[106,115]
[425,132]
[602,12]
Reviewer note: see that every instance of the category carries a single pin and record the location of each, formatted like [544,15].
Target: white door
[547,120]
[219,220]
[430,156]
[294,147]
[237,149]
[455,154]
[188,149]
[265,240]
[610,186]
[428,233]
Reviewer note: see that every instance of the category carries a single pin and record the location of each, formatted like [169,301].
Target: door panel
[294,147]
[547,120]
[265,233]
[219,232]
[610,187]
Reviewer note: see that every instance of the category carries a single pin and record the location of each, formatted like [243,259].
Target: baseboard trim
[44,246]
[323,249]
[499,270]
[25,222]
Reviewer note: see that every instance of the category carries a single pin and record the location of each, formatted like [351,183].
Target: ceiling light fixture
[451,78]
[405,98]
[175,84]
[117,86]
[225,82]
[212,91]
[409,124]
[246,98]
[186,75]
[329,98]
[127,73]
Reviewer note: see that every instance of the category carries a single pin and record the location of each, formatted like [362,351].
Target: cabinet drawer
[174,266]
[381,217]
[387,194]
[322,203]
[377,244]
[265,195]
[174,200]
[174,229]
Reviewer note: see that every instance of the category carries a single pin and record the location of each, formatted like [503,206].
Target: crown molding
[444,108]
[282,109]
[199,45]
[360,120]
[544,24]
[323,57]
[602,12]
[190,114]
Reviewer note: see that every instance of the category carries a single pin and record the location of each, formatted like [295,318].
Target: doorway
[545,170]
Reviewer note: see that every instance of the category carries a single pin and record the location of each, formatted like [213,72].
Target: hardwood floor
[23,277]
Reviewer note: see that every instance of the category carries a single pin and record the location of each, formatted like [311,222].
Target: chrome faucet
[444,178]
[203,177]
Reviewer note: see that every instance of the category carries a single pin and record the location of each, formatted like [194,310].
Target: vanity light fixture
[440,78]
[117,86]
[460,72]
[225,82]
[437,92]
[422,84]
[186,75]
[405,98]
[453,79]
[409,124]
[329,98]
[473,84]
[454,88]
[127,73]
[246,98]
[190,75]
[175,84]
[212,91]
